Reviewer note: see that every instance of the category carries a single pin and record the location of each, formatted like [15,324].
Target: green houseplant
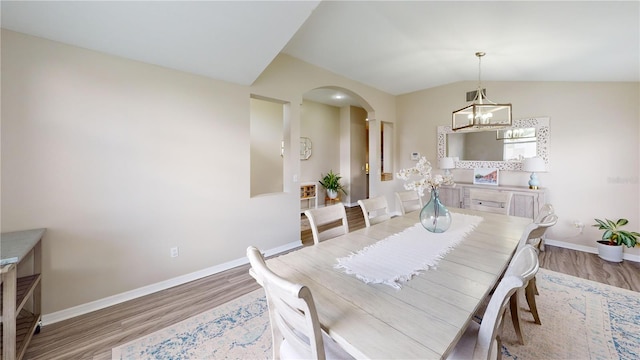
[613,237]
[331,182]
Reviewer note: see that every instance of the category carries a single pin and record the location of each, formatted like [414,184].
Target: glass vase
[434,216]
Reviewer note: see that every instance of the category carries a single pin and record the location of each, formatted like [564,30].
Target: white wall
[595,127]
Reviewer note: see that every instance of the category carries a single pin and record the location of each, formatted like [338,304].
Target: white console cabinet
[524,203]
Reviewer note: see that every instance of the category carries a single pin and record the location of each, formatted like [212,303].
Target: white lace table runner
[399,257]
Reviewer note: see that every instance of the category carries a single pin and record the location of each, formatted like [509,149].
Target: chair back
[535,231]
[524,264]
[545,210]
[375,210]
[498,202]
[327,222]
[409,201]
[487,346]
[294,320]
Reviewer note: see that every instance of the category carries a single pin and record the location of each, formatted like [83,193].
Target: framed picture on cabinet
[486,176]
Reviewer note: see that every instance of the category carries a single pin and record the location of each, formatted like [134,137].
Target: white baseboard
[149,289]
[588,249]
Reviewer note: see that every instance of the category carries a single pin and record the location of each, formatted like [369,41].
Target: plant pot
[332,194]
[608,252]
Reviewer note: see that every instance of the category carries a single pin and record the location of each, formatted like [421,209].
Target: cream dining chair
[545,210]
[482,341]
[409,201]
[535,231]
[327,222]
[295,328]
[524,263]
[498,202]
[375,210]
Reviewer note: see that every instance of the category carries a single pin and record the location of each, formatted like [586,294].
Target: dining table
[422,316]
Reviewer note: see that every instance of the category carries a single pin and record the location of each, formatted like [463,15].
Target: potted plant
[610,247]
[331,182]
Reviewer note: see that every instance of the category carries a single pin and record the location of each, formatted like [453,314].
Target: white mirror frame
[542,145]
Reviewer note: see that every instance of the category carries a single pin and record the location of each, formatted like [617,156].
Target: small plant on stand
[610,247]
[331,182]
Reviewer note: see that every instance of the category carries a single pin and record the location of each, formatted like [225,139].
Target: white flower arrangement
[426,180]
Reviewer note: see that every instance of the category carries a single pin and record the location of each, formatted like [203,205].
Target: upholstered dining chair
[375,210]
[295,328]
[498,202]
[409,201]
[524,263]
[327,222]
[482,341]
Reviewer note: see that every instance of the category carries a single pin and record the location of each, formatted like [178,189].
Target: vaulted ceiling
[395,46]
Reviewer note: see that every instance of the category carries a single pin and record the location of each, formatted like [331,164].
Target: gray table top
[14,246]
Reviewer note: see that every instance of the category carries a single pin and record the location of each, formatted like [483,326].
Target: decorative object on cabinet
[533,165]
[305,148]
[482,113]
[308,193]
[21,296]
[524,203]
[331,182]
[453,144]
[485,176]
[610,247]
[446,164]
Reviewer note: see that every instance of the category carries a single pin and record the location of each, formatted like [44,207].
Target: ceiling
[396,46]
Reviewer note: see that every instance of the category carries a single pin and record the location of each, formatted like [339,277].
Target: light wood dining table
[427,316]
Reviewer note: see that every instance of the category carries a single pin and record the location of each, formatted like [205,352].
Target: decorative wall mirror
[305,148]
[502,149]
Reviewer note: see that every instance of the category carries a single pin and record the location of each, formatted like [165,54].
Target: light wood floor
[92,336]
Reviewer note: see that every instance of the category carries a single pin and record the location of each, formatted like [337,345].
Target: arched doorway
[335,121]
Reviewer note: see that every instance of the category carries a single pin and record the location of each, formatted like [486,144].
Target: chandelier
[482,113]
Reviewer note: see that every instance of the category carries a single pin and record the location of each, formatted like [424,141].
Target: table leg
[9,280]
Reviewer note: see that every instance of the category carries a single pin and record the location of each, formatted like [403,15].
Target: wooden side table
[328,201]
[18,323]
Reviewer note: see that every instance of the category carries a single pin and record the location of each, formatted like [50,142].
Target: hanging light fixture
[482,113]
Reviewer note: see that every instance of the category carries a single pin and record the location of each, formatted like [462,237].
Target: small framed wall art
[485,176]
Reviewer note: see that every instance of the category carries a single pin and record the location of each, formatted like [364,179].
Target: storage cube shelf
[308,196]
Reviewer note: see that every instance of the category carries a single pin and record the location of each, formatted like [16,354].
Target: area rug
[239,329]
[581,319]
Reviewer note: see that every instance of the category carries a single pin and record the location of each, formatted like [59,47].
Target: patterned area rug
[581,319]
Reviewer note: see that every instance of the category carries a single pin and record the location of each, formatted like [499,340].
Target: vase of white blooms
[434,216]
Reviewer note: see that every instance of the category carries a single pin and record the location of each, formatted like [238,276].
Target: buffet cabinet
[525,202]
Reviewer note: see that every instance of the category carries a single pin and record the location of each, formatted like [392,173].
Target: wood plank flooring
[92,336]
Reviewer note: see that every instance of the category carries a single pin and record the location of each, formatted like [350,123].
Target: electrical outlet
[175,252]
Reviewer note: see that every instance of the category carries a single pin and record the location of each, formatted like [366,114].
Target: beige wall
[321,124]
[358,154]
[121,160]
[266,129]
[595,127]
